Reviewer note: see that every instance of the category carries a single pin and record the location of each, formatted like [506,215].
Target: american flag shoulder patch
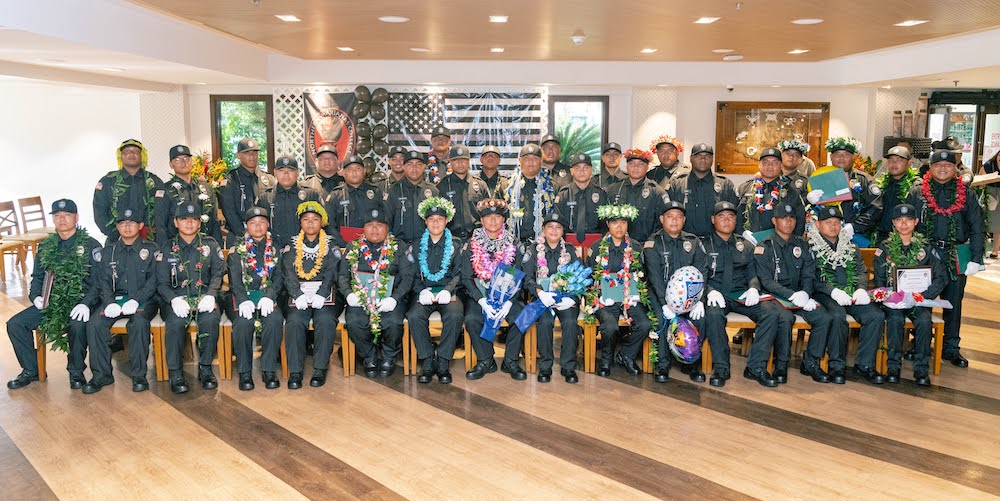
[758,250]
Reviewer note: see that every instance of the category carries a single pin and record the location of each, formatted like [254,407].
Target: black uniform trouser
[324,321]
[819,337]
[451,327]
[872,322]
[895,332]
[954,292]
[20,328]
[99,343]
[569,324]
[270,342]
[176,335]
[390,337]
[665,357]
[765,314]
[474,321]
[607,318]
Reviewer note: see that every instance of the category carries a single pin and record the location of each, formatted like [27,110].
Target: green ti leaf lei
[69,271]
[902,187]
[119,190]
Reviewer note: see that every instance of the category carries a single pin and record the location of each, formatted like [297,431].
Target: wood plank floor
[616,438]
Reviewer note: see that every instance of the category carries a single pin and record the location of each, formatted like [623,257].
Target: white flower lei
[834,258]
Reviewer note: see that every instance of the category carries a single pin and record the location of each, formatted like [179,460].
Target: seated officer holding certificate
[905,248]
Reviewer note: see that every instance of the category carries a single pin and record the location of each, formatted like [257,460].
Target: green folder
[788,305]
[255,296]
[616,293]
[963,256]
[762,235]
[834,182]
[437,290]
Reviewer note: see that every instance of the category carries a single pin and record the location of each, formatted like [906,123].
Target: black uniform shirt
[699,195]
[178,272]
[200,194]
[128,270]
[347,206]
[646,196]
[404,198]
[239,193]
[664,255]
[729,264]
[785,268]
[238,269]
[134,193]
[579,206]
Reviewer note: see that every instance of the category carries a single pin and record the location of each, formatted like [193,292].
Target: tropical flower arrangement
[212,171]
[867,165]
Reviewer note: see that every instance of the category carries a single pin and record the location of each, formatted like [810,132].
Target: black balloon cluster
[371,108]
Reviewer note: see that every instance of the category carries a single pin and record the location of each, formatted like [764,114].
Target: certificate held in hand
[614,289]
[834,182]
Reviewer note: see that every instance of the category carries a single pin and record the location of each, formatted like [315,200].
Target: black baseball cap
[353,159]
[440,130]
[722,206]
[829,211]
[769,152]
[179,150]
[674,204]
[257,212]
[286,162]
[943,156]
[186,210]
[904,210]
[611,146]
[326,148]
[701,148]
[550,137]
[246,144]
[63,205]
[580,158]
[415,155]
[530,149]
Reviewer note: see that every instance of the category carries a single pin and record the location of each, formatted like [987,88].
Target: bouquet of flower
[865,164]
[570,281]
[213,171]
[505,284]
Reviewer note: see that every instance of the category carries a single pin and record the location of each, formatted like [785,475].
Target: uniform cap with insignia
[377,215]
[492,206]
[530,149]
[257,212]
[286,162]
[458,151]
[943,156]
[247,144]
[490,148]
[784,208]
[769,152]
[353,160]
[415,155]
[186,210]
[674,204]
[326,148]
[828,212]
[553,217]
[899,151]
[904,210]
[397,150]
[581,158]
[611,146]
[550,137]
[440,130]
[701,148]
[722,206]
[130,215]
[179,150]
[63,205]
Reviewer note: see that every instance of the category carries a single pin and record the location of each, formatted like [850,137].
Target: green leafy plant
[239,119]
[578,137]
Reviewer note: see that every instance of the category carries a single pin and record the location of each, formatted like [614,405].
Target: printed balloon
[684,340]
[684,289]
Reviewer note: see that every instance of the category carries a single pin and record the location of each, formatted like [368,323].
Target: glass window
[581,124]
[236,117]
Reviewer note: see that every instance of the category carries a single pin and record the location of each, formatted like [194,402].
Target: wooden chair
[410,361]
[529,348]
[14,248]
[9,227]
[348,350]
[33,212]
[8,219]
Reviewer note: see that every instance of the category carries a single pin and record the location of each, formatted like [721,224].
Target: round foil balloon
[380,147]
[364,146]
[684,340]
[380,95]
[362,93]
[370,165]
[684,289]
[378,112]
[360,110]
[363,129]
[379,131]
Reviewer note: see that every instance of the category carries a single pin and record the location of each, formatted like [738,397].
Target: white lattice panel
[289,138]
[654,112]
[161,116]
[887,101]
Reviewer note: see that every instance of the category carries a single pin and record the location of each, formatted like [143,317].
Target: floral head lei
[794,144]
[440,203]
[612,212]
[637,154]
[137,144]
[666,138]
[842,143]
[493,205]
[312,206]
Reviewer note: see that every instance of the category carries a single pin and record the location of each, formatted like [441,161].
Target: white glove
[80,313]
[38,302]
[302,302]
[715,299]
[130,307]
[841,297]
[814,196]
[246,309]
[748,235]
[810,305]
[861,297]
[697,312]
[387,304]
[799,299]
[751,297]
[547,298]
[487,309]
[317,301]
[565,303]
[504,310]
[606,301]
[426,297]
[353,300]
[668,313]
[180,307]
[112,310]
[848,231]
[971,269]
[266,306]
[632,301]
[206,304]
[444,297]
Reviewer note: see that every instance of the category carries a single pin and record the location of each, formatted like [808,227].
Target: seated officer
[543,260]
[127,281]
[609,257]
[668,250]
[904,247]
[189,275]
[435,283]
[787,270]
[375,314]
[76,255]
[842,288]
[309,268]
[730,269]
[256,282]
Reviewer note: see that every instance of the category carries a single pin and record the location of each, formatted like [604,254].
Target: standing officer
[349,202]
[463,191]
[256,282]
[669,249]
[611,173]
[134,187]
[864,210]
[189,276]
[950,215]
[730,269]
[283,200]
[699,190]
[787,270]
[558,171]
[404,197]
[895,184]
[436,160]
[496,182]
[578,201]
[530,195]
[242,186]
[74,293]
[640,192]
[667,150]
[327,176]
[184,189]
[127,281]
[382,179]
[758,197]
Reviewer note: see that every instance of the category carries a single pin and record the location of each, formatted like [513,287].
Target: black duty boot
[177,382]
[481,369]
[514,369]
[23,379]
[270,380]
[207,378]
[246,381]
[318,379]
[428,369]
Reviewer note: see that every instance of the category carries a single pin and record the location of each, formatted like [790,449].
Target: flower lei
[69,271]
[120,187]
[248,259]
[445,258]
[203,252]
[957,204]
[318,254]
[634,153]
[204,200]
[897,256]
[758,197]
[630,260]
[487,253]
[903,184]
[544,199]
[369,301]
[543,264]
[432,164]
[831,259]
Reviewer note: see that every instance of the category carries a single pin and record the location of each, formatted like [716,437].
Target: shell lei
[830,259]
[359,248]
[320,254]
[543,265]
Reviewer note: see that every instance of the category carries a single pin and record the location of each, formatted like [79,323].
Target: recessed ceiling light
[911,22]
[52,60]
[496,49]
[393,19]
[886,86]
[775,86]
[288,18]
[420,49]
[345,49]
[798,51]
[648,51]
[732,57]
[722,51]
[498,19]
[113,69]
[706,20]
[199,83]
[808,20]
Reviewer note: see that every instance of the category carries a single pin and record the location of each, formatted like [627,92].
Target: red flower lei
[379,264]
[957,205]
[758,186]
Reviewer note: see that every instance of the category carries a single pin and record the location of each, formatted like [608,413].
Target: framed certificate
[913,278]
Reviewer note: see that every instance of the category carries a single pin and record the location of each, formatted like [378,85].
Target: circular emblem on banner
[921,255]
[797,251]
[687,246]
[595,197]
[329,125]
[874,189]
[427,193]
[739,246]
[143,254]
[302,195]
[371,194]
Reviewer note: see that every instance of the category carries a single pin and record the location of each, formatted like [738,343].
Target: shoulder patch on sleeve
[758,250]
[159,193]
[878,252]
[648,245]
[99,186]
[96,254]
